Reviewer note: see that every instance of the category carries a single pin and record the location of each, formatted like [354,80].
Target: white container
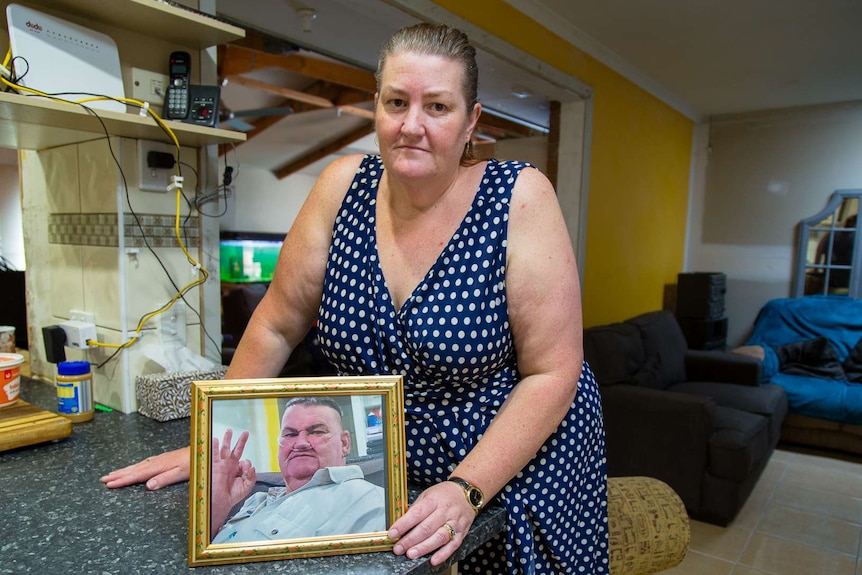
[7,339]
[10,377]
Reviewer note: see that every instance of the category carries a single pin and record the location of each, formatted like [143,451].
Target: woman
[460,275]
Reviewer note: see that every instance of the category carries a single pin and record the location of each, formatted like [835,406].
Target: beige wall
[757,176]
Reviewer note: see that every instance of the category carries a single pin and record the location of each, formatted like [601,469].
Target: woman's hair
[438,40]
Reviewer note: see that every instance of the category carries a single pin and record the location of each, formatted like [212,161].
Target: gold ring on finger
[450,530]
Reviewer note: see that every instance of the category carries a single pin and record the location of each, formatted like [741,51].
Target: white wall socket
[149,86]
[154,179]
[82,316]
[173,324]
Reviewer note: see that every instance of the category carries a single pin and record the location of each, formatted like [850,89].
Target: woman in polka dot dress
[458,274]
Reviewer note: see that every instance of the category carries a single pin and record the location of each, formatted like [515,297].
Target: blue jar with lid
[75,390]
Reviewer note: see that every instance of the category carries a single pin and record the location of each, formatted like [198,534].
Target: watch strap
[468,489]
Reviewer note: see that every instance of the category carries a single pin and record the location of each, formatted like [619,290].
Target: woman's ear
[474,119]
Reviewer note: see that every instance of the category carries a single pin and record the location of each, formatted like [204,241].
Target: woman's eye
[397,102]
[439,107]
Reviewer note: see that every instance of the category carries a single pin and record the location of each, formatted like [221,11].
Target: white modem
[59,57]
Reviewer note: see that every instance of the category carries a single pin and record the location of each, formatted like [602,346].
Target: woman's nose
[413,121]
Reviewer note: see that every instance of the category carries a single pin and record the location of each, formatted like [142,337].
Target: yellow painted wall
[639,172]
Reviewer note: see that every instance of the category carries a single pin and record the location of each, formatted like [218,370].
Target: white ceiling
[712,57]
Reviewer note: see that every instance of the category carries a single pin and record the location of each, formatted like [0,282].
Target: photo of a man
[322,495]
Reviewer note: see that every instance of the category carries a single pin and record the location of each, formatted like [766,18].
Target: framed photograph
[295,467]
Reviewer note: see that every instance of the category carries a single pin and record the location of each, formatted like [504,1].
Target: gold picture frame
[221,405]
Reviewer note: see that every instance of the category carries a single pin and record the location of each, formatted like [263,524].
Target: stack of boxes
[700,309]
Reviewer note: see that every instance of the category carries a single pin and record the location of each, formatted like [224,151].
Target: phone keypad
[178,103]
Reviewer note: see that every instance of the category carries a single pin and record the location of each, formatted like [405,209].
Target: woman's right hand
[157,471]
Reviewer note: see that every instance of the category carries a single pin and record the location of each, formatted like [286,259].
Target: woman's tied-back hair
[438,40]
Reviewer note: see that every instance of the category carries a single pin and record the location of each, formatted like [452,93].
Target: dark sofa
[699,420]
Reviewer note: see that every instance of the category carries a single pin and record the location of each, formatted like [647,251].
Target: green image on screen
[248,260]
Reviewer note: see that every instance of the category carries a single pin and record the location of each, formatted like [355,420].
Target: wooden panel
[24,424]
[37,123]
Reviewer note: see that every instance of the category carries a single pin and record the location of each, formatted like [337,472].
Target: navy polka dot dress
[451,341]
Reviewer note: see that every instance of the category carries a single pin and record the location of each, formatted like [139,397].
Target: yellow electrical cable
[195,264]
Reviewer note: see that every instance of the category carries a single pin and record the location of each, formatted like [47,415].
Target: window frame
[809,224]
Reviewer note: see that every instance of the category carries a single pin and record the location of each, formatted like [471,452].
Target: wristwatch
[474,495]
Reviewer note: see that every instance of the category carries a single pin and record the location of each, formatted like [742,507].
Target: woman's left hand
[423,528]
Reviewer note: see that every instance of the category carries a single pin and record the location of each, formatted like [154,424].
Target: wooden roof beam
[513,129]
[324,151]
[235,60]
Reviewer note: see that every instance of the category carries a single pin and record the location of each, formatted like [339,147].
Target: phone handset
[177,95]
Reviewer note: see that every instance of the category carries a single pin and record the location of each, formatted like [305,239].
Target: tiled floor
[804,517]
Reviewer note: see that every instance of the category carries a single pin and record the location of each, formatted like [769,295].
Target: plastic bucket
[10,377]
[7,339]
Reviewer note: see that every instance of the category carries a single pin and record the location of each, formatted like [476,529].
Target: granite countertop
[59,518]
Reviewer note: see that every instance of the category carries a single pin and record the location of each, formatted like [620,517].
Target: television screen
[248,257]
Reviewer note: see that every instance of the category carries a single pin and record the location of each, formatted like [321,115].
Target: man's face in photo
[311,438]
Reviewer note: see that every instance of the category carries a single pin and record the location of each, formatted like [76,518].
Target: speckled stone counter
[59,518]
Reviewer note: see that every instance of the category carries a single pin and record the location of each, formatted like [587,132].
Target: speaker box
[704,333]
[701,295]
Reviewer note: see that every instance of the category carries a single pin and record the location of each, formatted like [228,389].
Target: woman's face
[421,115]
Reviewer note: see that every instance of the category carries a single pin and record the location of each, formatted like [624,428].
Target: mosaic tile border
[103,230]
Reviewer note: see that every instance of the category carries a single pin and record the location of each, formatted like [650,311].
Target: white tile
[700,564]
[819,501]
[784,557]
[97,173]
[815,529]
[60,169]
[65,279]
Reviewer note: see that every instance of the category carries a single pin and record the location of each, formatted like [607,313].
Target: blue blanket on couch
[784,322]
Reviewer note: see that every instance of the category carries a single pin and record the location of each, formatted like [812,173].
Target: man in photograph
[322,495]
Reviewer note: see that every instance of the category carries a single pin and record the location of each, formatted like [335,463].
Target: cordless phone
[177,95]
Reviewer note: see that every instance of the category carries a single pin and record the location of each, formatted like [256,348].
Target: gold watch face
[475,497]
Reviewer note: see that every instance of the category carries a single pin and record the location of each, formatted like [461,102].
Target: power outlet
[149,86]
[173,324]
[154,179]
[82,316]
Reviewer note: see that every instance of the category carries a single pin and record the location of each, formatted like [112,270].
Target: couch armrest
[721,366]
[661,434]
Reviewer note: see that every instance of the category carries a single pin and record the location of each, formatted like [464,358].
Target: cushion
[648,374]
[615,352]
[662,337]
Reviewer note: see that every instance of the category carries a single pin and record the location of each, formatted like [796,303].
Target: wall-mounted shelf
[153,18]
[36,123]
